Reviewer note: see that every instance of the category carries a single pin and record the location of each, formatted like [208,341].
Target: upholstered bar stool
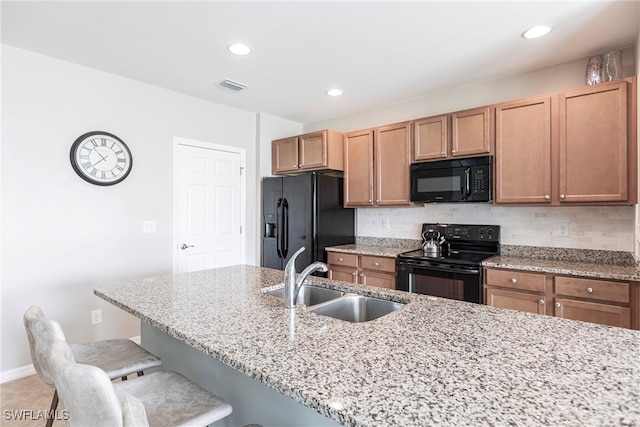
[157,399]
[118,358]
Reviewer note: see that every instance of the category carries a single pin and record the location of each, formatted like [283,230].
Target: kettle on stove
[432,243]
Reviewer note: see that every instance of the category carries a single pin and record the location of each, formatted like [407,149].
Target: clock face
[101,158]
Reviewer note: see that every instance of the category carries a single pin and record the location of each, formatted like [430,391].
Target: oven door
[454,282]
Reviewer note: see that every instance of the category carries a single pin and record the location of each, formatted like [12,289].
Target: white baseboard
[17,373]
[25,371]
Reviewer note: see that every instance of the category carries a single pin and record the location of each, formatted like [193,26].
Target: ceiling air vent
[233,85]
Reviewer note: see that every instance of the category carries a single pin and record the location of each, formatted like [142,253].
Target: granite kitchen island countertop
[433,362]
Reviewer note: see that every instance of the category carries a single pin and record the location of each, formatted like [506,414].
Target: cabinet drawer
[602,290]
[378,263]
[348,260]
[516,279]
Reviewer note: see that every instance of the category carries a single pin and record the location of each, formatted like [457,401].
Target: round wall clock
[101,158]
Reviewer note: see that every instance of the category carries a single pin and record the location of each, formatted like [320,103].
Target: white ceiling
[378,53]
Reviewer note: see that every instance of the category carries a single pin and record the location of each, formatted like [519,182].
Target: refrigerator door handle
[278,228]
[285,233]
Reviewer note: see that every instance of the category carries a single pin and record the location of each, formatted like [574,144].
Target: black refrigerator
[303,210]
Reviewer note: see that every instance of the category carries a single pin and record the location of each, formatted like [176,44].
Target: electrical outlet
[563,229]
[96,317]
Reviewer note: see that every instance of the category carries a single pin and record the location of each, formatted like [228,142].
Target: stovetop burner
[465,244]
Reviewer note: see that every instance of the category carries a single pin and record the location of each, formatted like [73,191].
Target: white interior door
[208,207]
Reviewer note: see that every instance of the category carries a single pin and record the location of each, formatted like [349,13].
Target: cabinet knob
[590,290]
[562,196]
[547,197]
[444,154]
[361,274]
[355,273]
[341,259]
[377,264]
[557,304]
[514,280]
[370,201]
[541,301]
[453,151]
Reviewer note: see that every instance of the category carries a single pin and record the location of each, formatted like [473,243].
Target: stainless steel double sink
[340,305]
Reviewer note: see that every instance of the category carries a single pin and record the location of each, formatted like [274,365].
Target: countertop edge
[601,271]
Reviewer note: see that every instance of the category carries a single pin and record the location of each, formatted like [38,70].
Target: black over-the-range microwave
[458,180]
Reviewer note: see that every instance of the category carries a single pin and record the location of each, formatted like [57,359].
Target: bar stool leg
[54,405]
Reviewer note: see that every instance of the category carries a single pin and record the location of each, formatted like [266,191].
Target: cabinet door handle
[590,290]
[557,304]
[514,280]
[562,196]
[547,197]
[541,301]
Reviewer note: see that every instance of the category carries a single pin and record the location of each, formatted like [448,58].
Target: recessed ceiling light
[537,31]
[239,49]
[334,92]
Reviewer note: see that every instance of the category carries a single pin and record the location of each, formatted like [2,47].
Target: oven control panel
[475,233]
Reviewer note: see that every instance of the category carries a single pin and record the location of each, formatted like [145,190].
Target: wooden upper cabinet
[523,151]
[465,133]
[284,155]
[431,138]
[594,144]
[311,151]
[392,158]
[358,168]
[376,166]
[573,147]
[471,132]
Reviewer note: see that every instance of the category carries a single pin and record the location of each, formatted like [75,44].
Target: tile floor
[29,397]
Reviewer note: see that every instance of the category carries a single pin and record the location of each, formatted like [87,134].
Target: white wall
[608,228]
[61,235]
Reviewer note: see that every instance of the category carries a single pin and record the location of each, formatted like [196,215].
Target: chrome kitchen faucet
[291,285]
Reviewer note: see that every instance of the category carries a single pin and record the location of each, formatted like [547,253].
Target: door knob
[185,246]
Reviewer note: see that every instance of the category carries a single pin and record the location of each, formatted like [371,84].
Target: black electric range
[457,272]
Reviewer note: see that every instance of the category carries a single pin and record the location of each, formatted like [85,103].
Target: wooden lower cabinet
[607,302]
[521,301]
[605,314]
[363,269]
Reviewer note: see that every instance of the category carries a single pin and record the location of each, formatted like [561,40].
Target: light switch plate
[148,226]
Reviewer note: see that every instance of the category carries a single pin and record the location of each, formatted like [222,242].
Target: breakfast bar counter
[433,362]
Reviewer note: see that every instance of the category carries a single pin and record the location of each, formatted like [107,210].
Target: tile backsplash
[586,227]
